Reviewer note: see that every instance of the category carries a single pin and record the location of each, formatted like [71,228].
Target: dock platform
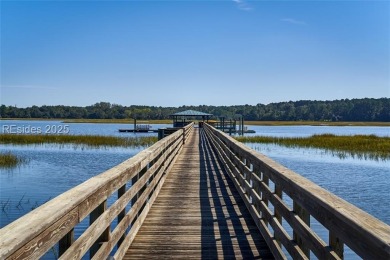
[138,131]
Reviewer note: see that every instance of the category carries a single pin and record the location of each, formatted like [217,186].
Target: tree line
[366,109]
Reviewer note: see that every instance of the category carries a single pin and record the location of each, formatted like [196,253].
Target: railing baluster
[263,197]
[66,242]
[248,175]
[305,217]
[121,192]
[256,188]
[278,215]
[105,236]
[336,244]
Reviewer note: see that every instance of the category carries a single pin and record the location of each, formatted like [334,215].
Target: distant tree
[367,109]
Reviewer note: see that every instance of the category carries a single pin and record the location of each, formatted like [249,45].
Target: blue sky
[172,53]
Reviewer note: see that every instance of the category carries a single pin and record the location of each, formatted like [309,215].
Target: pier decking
[198,214]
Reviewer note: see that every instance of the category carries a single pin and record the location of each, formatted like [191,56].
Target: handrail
[264,185]
[32,235]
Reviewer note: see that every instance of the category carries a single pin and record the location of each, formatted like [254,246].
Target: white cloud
[243,5]
[293,21]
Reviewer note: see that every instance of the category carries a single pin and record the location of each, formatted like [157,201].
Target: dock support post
[161,133]
[242,125]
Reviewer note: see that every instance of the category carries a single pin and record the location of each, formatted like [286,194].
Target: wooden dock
[198,214]
[125,130]
[196,193]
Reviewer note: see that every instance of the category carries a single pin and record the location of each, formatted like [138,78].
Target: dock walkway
[197,194]
[198,213]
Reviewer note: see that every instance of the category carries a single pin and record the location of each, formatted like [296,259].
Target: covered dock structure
[183,118]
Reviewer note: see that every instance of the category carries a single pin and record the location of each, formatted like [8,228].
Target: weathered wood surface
[198,213]
[261,183]
[32,235]
[220,200]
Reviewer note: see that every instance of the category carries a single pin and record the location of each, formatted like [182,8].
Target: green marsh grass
[86,140]
[9,160]
[360,146]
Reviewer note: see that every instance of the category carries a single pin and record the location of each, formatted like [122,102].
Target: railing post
[66,242]
[137,195]
[256,188]
[248,178]
[184,135]
[241,177]
[121,215]
[278,215]
[105,236]
[336,244]
[305,217]
[265,180]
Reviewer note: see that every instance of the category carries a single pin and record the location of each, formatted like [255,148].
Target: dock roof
[191,113]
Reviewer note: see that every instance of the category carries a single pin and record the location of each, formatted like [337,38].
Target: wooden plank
[86,240]
[308,236]
[197,213]
[366,235]
[21,235]
[106,248]
[260,222]
[133,213]
[39,245]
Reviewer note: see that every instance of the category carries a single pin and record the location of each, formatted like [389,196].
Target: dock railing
[135,182]
[268,188]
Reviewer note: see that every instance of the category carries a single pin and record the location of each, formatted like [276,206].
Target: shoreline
[168,121]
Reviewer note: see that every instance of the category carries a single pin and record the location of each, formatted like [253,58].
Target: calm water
[52,127]
[51,169]
[302,131]
[364,183]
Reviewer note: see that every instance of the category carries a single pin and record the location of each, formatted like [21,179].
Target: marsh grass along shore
[361,146]
[9,160]
[88,140]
